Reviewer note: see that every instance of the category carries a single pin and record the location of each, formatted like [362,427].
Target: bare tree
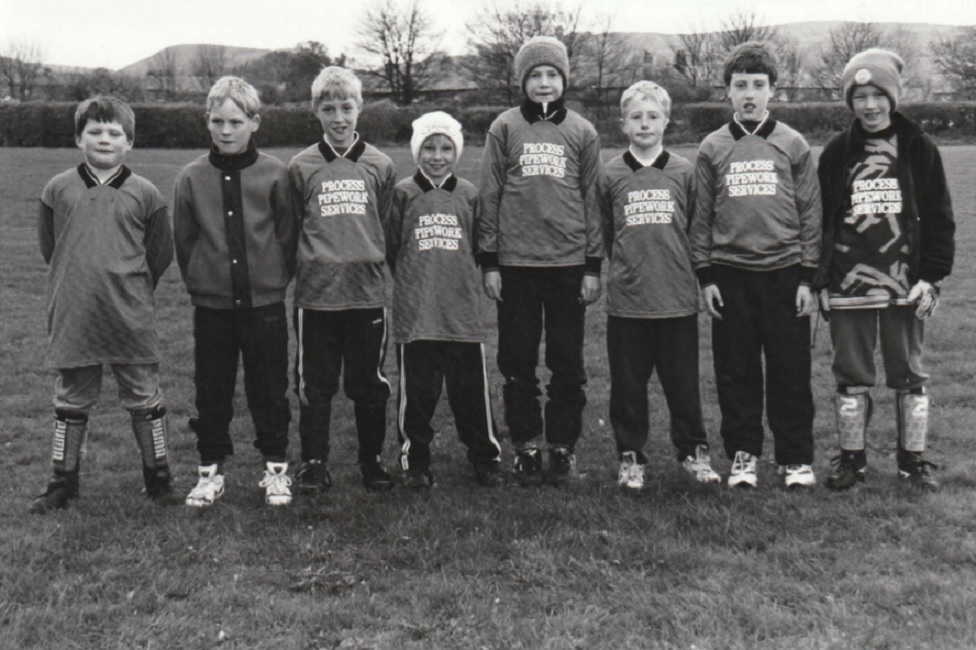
[956,59]
[210,63]
[164,68]
[843,42]
[743,27]
[21,64]
[606,59]
[850,38]
[497,34]
[405,41]
[697,57]
[791,66]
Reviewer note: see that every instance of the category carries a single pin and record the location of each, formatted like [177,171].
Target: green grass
[678,566]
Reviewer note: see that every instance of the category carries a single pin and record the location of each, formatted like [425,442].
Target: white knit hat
[436,123]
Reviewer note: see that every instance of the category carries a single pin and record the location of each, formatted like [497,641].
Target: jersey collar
[448,184]
[115,182]
[532,111]
[766,126]
[353,153]
[635,165]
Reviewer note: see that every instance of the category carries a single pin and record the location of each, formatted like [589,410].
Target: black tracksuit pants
[259,336]
[534,299]
[635,348]
[427,366]
[327,341]
[760,322]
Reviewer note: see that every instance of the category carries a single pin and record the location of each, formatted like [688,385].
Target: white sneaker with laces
[700,466]
[798,475]
[209,488]
[631,474]
[743,472]
[276,484]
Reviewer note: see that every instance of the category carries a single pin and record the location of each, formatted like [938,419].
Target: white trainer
[743,472]
[209,488]
[631,474]
[700,466]
[798,475]
[276,484]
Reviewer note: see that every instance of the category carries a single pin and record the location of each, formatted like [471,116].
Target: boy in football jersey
[888,243]
[646,198]
[755,241]
[438,308]
[343,188]
[540,250]
[106,237]
[235,233]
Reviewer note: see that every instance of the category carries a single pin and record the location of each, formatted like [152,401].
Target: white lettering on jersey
[543,159]
[752,178]
[646,207]
[438,231]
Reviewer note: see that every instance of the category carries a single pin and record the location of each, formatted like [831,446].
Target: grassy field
[678,566]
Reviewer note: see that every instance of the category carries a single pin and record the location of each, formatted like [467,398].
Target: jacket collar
[115,182]
[532,111]
[353,153]
[635,165]
[234,162]
[448,184]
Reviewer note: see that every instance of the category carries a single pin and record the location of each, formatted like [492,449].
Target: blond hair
[238,91]
[646,90]
[334,83]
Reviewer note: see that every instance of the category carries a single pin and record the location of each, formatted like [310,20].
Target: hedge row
[181,126]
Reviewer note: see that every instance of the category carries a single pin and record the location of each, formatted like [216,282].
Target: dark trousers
[426,366]
[759,321]
[326,341]
[259,336]
[635,347]
[534,299]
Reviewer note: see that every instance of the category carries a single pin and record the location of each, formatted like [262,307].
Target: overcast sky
[115,33]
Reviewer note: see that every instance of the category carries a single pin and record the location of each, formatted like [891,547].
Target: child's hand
[927,297]
[713,301]
[590,289]
[492,281]
[825,300]
[805,302]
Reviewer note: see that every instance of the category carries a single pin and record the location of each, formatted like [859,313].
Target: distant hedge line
[181,126]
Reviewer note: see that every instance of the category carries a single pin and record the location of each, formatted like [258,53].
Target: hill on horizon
[186,56]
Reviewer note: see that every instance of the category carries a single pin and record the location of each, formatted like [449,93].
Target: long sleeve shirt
[757,201]
[645,219]
[107,245]
[538,190]
[437,292]
[343,204]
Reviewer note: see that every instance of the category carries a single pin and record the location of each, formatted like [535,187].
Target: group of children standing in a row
[750,223]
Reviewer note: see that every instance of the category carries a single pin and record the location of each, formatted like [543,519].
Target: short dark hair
[105,108]
[752,57]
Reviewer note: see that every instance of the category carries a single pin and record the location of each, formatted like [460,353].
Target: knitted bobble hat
[876,67]
[541,50]
[436,123]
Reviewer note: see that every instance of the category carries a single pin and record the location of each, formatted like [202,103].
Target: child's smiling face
[338,118]
[437,157]
[544,84]
[750,93]
[872,108]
